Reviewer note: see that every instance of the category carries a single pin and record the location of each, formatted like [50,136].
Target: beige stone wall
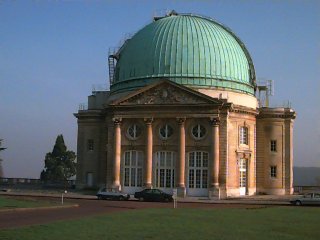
[275,124]
[237,151]
[236,98]
[90,161]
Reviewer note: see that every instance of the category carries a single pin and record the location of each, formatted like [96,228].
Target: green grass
[23,202]
[266,223]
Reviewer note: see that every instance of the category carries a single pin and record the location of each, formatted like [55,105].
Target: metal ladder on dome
[111,65]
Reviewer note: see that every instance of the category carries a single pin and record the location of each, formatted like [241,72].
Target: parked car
[111,194]
[153,195]
[307,199]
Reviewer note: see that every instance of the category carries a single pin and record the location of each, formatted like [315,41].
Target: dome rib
[187,49]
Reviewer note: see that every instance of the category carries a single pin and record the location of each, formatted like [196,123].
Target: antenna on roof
[265,90]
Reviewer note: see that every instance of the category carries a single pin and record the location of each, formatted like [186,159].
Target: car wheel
[298,203]
[166,199]
[99,197]
[141,199]
[121,198]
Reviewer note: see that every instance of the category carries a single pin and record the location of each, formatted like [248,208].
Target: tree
[59,164]
[1,149]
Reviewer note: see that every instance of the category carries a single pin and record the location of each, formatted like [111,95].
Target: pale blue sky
[51,52]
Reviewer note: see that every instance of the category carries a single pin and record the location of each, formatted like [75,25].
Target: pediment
[166,93]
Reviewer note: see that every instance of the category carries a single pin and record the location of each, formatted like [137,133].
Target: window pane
[198,159]
[139,177]
[191,159]
[191,178]
[126,177]
[168,178]
[134,159]
[204,178]
[198,178]
[127,159]
[161,177]
[133,177]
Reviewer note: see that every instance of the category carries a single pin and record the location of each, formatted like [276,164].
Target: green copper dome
[188,49]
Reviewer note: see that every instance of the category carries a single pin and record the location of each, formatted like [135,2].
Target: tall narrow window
[90,145]
[243,135]
[273,145]
[273,171]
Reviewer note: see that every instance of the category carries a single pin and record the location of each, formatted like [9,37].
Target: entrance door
[197,174]
[89,179]
[164,170]
[243,176]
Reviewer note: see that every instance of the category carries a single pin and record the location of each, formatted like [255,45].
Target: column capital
[117,121]
[148,121]
[215,121]
[181,120]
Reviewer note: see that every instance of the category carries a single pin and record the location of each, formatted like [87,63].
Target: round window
[165,131]
[134,131]
[198,131]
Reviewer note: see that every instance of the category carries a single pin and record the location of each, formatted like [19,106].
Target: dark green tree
[1,149]
[60,164]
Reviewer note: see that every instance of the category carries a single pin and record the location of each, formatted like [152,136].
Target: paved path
[92,207]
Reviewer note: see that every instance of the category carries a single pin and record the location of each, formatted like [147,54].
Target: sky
[52,52]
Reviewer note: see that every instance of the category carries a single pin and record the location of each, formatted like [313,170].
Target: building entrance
[164,177]
[197,184]
[132,171]
[243,176]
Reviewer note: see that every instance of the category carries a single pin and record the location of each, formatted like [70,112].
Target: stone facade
[218,147]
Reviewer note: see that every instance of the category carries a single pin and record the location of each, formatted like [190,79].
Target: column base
[116,187]
[148,185]
[181,192]
[214,192]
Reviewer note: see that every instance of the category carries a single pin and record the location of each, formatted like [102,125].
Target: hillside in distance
[306,176]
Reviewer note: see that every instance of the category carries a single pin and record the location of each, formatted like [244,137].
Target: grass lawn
[265,223]
[23,202]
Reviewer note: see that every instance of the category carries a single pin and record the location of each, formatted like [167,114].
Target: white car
[307,199]
[111,194]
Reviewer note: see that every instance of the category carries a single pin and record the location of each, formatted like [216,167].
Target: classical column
[148,170]
[214,179]
[117,154]
[182,158]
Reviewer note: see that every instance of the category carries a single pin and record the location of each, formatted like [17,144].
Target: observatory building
[183,112]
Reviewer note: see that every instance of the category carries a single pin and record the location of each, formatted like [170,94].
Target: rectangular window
[273,171]
[244,135]
[90,145]
[273,145]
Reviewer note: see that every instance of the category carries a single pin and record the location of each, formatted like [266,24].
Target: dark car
[307,199]
[153,195]
[111,194]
